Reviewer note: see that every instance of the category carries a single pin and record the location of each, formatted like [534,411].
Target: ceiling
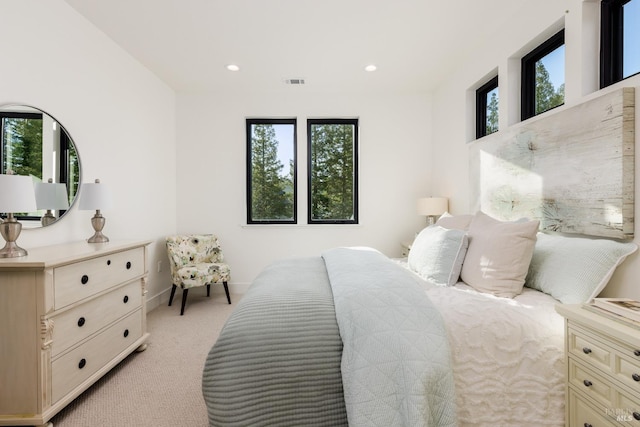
[188,43]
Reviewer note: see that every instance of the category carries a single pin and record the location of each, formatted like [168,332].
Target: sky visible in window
[284,135]
[631,38]
[554,63]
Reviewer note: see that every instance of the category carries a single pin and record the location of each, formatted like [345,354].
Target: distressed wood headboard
[573,169]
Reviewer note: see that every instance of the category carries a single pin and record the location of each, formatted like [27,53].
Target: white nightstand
[406,247]
[603,369]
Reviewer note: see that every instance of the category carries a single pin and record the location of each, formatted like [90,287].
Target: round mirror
[35,144]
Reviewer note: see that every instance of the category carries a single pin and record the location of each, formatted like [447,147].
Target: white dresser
[603,370]
[68,314]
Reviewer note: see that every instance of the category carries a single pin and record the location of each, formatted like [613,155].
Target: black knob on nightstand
[587,383]
[636,415]
[82,364]
[125,299]
[85,279]
[586,350]
[81,322]
[126,333]
[635,377]
[636,353]
[128,265]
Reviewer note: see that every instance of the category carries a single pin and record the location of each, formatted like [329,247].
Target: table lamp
[432,207]
[51,196]
[95,196]
[17,195]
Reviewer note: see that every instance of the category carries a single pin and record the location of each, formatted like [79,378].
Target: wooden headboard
[572,169]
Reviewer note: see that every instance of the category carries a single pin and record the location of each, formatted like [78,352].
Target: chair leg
[226,290]
[208,289]
[173,292]
[184,300]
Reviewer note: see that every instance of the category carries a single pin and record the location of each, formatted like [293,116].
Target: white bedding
[507,356]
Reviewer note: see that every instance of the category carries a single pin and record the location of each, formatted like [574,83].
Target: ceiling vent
[294,81]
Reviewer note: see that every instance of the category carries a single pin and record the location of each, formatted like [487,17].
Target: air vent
[294,81]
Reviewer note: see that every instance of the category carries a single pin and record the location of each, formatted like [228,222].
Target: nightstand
[406,247]
[603,369]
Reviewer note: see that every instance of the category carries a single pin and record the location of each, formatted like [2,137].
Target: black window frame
[481,106]
[279,121]
[528,74]
[612,42]
[327,121]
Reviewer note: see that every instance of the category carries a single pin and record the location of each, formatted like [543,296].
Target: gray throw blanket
[396,366]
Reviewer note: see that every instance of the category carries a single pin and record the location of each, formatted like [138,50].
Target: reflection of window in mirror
[33,144]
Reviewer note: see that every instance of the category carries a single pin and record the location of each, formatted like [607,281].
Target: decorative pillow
[437,254]
[574,270]
[458,222]
[499,254]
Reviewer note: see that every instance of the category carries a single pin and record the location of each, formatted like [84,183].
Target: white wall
[121,117]
[453,119]
[394,168]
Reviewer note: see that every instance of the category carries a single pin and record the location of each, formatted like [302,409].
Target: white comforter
[507,356]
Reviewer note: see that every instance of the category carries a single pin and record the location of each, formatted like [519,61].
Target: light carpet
[160,386]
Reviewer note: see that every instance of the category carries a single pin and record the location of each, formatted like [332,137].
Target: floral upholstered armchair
[196,260]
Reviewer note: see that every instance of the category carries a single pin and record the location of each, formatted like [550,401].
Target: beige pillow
[499,255]
[455,222]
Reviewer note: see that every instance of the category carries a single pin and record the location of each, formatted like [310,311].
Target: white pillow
[459,222]
[574,270]
[437,254]
[499,254]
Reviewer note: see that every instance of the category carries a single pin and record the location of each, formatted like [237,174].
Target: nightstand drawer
[583,414]
[628,371]
[591,384]
[80,322]
[587,348]
[80,280]
[73,368]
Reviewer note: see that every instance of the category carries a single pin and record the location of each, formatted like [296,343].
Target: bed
[463,332]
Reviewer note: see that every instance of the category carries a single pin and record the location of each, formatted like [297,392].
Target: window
[271,171]
[333,171]
[543,77]
[619,39]
[487,108]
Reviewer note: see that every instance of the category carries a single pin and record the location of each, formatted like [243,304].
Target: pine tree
[546,96]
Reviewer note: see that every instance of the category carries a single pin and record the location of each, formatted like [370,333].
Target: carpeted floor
[160,386]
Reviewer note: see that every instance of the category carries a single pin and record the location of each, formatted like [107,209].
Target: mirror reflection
[33,143]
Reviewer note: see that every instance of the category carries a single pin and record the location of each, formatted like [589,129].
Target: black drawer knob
[587,383]
[126,333]
[636,353]
[128,265]
[125,299]
[85,279]
[636,415]
[635,377]
[82,364]
[108,262]
[587,425]
[586,350]
[81,322]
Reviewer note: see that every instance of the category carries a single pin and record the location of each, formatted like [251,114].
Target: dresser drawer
[73,326]
[591,384]
[583,414]
[627,370]
[73,368]
[588,349]
[80,280]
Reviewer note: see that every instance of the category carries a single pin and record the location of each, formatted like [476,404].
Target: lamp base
[98,224]
[10,230]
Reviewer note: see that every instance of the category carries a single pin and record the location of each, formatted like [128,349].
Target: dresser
[68,314]
[603,369]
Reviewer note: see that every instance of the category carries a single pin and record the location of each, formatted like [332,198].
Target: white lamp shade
[429,206]
[17,194]
[51,195]
[94,196]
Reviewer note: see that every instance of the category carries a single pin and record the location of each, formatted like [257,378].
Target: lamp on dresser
[432,208]
[51,196]
[95,196]
[16,196]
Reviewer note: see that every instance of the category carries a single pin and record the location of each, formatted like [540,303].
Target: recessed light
[233,67]
[370,68]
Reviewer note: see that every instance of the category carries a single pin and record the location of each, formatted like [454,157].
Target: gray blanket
[279,360]
[396,365]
